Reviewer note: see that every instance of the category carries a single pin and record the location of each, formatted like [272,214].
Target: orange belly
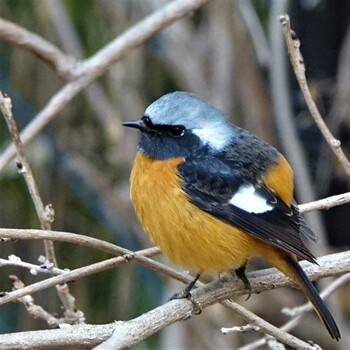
[189,236]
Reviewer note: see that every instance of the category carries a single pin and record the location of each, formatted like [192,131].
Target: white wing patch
[247,199]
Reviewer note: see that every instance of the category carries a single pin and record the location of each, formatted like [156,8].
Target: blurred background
[230,52]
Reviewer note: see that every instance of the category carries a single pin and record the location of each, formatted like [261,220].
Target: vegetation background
[226,52]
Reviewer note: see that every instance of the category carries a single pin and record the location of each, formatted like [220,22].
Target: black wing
[211,184]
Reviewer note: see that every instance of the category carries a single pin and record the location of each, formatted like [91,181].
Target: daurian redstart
[211,195]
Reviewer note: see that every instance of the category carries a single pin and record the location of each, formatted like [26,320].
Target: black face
[165,141]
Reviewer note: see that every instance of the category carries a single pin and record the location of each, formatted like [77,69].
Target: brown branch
[79,239]
[46,51]
[325,203]
[88,71]
[271,330]
[44,213]
[293,45]
[34,269]
[175,310]
[299,312]
[34,310]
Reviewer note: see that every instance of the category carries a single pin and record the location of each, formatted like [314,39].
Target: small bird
[212,195]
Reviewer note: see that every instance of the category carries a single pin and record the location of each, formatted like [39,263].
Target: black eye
[147,120]
[177,130]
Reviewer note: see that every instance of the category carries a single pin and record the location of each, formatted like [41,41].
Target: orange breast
[187,235]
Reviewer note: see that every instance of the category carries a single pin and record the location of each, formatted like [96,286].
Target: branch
[285,122]
[88,71]
[34,269]
[46,51]
[300,311]
[87,241]
[147,324]
[293,45]
[44,213]
[267,328]
[325,203]
[34,310]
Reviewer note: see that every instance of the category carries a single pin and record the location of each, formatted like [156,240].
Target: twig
[44,213]
[293,45]
[325,203]
[135,330]
[301,311]
[240,329]
[273,331]
[34,310]
[331,288]
[69,40]
[95,66]
[34,269]
[90,270]
[46,51]
[218,290]
[79,239]
[285,122]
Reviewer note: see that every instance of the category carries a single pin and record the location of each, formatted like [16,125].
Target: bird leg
[186,294]
[240,273]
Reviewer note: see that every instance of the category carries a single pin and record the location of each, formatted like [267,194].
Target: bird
[213,195]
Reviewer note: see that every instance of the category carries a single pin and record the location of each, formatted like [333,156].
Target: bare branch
[16,35]
[34,269]
[300,311]
[325,203]
[60,236]
[293,45]
[268,328]
[176,310]
[44,213]
[66,336]
[34,310]
[97,65]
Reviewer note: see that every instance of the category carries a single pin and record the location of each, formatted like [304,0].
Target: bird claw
[240,273]
[185,294]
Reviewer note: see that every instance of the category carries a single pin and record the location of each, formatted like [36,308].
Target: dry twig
[293,45]
[44,213]
[89,70]
[175,310]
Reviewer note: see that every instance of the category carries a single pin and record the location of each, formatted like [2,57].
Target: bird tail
[298,275]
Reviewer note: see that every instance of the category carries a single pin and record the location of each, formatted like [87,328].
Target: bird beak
[137,124]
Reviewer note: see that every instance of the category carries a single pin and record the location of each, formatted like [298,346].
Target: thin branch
[300,312]
[34,269]
[175,310]
[61,236]
[330,289]
[13,34]
[285,122]
[34,310]
[90,270]
[91,69]
[44,213]
[325,203]
[293,45]
[267,328]
[69,41]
